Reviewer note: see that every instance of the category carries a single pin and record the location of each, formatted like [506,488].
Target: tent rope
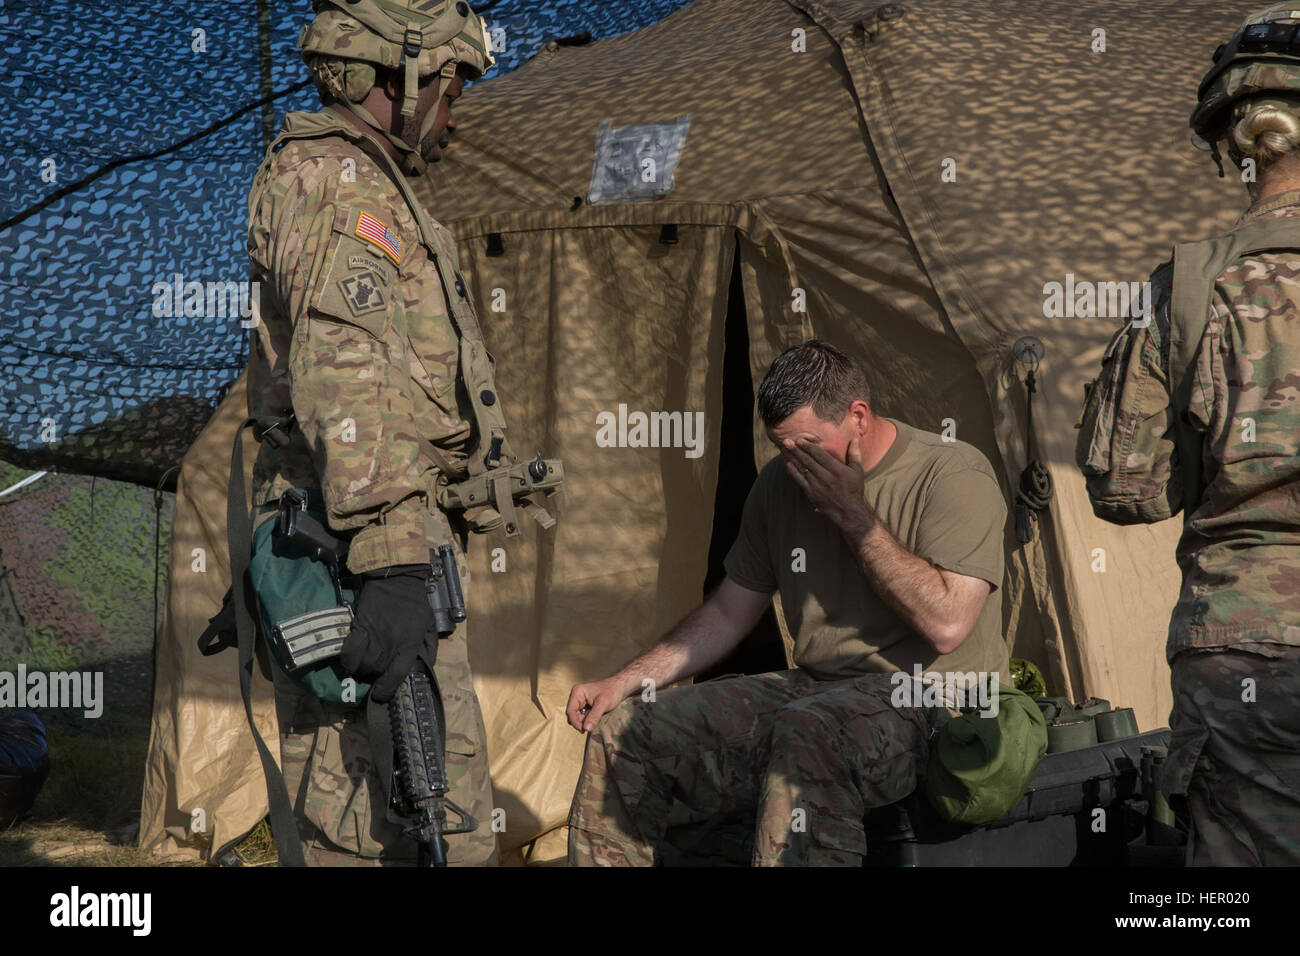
[157,540]
[1035,490]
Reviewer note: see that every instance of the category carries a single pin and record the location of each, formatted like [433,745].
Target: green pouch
[289,584]
[979,766]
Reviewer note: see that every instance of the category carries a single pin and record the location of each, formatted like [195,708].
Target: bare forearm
[911,586]
[706,636]
[702,639]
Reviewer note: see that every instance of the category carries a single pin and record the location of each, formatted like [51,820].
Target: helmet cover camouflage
[348,38]
[1262,57]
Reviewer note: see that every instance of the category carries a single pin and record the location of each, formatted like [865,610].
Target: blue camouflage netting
[131,132]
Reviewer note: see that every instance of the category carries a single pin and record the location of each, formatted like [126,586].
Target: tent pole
[264,64]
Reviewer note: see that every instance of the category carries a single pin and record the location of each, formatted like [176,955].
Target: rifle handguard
[421,775]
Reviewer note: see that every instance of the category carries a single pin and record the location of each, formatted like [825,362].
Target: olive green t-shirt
[940,500]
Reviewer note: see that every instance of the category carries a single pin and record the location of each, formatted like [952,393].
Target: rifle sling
[239,525]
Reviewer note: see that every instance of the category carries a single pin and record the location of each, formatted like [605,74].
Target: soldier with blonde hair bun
[1198,410]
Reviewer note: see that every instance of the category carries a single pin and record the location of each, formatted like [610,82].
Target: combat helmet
[1262,57]
[347,39]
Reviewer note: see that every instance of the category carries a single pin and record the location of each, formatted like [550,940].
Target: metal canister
[1063,735]
[1091,707]
[1115,724]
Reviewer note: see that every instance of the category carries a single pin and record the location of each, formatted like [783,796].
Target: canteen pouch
[299,612]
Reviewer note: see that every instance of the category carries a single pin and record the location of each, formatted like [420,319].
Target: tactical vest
[1196,267]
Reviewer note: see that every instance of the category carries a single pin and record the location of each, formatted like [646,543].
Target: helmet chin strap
[1218,159]
[413,164]
[410,162]
[363,114]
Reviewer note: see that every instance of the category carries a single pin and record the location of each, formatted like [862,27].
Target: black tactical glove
[393,618]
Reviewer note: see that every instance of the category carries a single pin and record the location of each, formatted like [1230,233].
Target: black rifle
[415,713]
[419,743]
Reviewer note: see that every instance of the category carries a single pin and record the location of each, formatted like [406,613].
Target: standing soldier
[1199,410]
[369,347]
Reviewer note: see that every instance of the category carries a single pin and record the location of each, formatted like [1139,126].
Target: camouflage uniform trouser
[337,794]
[800,760]
[1238,761]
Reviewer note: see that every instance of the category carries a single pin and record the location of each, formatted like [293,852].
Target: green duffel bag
[979,767]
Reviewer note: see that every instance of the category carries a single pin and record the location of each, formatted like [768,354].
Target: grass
[88,811]
[258,848]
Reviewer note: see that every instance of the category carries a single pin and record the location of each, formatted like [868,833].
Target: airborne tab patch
[373,231]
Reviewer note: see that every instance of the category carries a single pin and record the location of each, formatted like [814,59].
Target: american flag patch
[372,230]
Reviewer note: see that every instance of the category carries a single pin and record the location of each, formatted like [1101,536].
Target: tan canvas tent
[902,180]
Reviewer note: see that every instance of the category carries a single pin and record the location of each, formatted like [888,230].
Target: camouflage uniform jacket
[355,338]
[1238,551]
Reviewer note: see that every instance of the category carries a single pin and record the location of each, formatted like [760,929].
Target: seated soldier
[885,543]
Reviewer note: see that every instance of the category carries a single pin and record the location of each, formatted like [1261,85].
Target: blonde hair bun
[1265,132]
